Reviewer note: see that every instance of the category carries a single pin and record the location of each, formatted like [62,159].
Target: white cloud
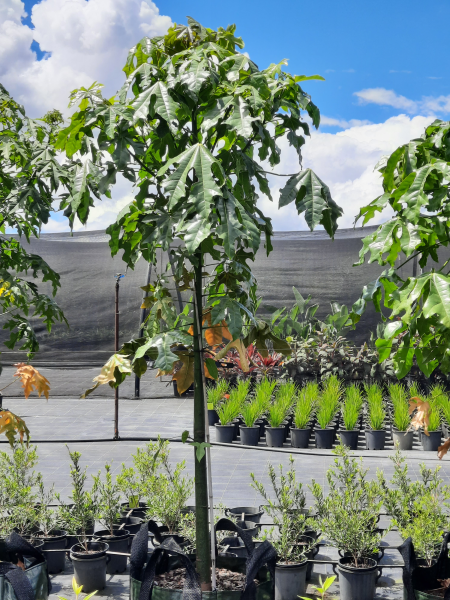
[345,162]
[385,97]
[342,123]
[86,42]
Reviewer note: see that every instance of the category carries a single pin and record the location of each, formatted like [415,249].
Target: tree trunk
[201,484]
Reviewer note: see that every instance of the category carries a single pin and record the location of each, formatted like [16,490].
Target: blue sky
[385,64]
[354,45]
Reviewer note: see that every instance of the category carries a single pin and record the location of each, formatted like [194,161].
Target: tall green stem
[201,485]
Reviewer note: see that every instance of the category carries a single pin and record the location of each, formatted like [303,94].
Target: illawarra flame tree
[191,128]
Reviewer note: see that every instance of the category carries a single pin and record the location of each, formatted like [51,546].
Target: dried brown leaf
[442,450]
[32,380]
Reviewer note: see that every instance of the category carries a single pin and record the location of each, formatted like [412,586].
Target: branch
[143,165]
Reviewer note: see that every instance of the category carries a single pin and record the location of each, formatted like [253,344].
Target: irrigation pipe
[219,444]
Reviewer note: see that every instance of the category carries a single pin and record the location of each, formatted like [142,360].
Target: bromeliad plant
[190,128]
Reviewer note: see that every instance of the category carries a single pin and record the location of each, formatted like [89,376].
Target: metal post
[137,380]
[116,349]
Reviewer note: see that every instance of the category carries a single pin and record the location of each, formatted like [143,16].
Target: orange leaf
[214,334]
[32,380]
[442,450]
[421,418]
[184,376]
[11,424]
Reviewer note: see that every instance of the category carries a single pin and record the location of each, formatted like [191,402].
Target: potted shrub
[50,533]
[426,529]
[276,431]
[227,412]
[348,517]
[376,435]
[250,432]
[78,517]
[109,506]
[351,409]
[168,495]
[326,412]
[303,413]
[401,420]
[215,397]
[291,565]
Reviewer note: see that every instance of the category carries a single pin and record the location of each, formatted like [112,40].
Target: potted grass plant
[215,397]
[444,403]
[304,409]
[401,419]
[431,439]
[275,430]
[117,537]
[351,409]
[227,413]
[249,431]
[375,432]
[327,409]
[263,397]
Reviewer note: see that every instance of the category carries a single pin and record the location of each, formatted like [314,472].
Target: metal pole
[116,349]
[137,380]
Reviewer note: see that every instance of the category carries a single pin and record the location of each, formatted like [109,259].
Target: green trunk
[201,483]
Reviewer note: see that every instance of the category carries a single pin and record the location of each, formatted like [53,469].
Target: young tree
[415,182]
[192,127]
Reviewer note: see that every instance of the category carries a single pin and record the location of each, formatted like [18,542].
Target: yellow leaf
[184,376]
[10,424]
[32,380]
[240,347]
[107,372]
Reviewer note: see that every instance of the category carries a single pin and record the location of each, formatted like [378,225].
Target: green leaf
[240,119]
[200,449]
[184,436]
[229,229]
[199,158]
[195,232]
[312,197]
[212,368]
[438,298]
[164,105]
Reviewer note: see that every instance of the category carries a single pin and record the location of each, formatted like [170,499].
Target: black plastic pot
[309,541]
[249,435]
[432,441]
[275,436]
[324,438]
[138,512]
[404,439]
[290,580]
[300,437]
[224,433]
[131,524]
[236,431]
[89,568]
[117,543]
[250,526]
[262,427]
[349,438]
[375,440]
[56,561]
[251,513]
[213,417]
[357,583]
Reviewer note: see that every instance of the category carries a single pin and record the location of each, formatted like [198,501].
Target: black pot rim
[246,427]
[345,567]
[85,556]
[292,565]
[279,427]
[300,428]
[40,535]
[375,430]
[228,425]
[118,535]
[141,505]
[249,510]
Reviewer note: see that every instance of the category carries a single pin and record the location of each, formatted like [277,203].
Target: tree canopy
[416,310]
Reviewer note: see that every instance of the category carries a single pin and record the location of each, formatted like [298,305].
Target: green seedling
[324,585]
